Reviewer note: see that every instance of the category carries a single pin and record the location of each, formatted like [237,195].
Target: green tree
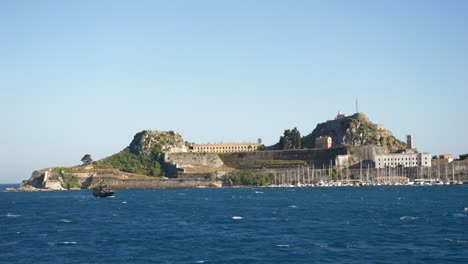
[291,139]
[336,174]
[86,159]
[242,178]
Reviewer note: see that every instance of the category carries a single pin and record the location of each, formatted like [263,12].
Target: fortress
[224,147]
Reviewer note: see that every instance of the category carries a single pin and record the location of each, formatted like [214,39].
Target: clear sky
[81,77]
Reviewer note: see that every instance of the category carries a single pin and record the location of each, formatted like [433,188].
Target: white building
[403,159]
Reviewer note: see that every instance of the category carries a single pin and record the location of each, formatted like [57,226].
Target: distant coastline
[345,151]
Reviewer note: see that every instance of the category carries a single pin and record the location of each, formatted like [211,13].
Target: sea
[394,224]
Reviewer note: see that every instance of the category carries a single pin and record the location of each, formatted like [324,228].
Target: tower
[340,115]
[409,142]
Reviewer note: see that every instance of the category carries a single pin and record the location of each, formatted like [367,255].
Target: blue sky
[81,77]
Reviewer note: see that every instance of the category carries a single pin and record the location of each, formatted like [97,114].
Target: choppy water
[321,225]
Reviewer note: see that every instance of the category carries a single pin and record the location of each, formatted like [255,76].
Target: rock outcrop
[151,141]
[355,130]
[54,179]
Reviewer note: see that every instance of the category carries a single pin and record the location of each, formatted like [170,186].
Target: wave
[237,217]
[63,243]
[63,220]
[457,241]
[408,218]
[459,215]
[11,215]
[322,245]
[258,192]
[466,209]
[293,206]
[283,246]
[68,243]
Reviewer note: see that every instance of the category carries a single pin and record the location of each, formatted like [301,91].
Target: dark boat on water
[102,191]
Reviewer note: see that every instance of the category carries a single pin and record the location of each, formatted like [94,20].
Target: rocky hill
[153,157]
[151,141]
[354,130]
[142,164]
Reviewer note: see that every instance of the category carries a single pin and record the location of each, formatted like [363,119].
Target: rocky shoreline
[47,180]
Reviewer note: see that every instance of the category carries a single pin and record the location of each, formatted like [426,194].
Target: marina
[306,176]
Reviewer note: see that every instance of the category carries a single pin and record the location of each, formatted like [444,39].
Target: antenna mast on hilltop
[357,109]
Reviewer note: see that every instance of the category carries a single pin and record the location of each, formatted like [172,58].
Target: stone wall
[191,163]
[158,183]
[193,159]
[316,157]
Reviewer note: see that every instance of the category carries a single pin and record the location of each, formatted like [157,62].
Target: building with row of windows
[403,160]
[224,147]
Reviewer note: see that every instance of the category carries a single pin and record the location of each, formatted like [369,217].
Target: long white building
[403,159]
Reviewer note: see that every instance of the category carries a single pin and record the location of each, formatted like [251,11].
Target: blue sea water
[317,225]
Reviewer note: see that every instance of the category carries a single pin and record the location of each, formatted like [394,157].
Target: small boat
[102,191]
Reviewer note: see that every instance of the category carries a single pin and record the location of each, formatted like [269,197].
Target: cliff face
[149,141]
[355,130]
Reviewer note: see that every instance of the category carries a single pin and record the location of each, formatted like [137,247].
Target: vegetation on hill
[68,179]
[291,139]
[144,155]
[125,161]
[243,178]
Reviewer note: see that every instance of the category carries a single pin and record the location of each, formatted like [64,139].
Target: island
[345,151]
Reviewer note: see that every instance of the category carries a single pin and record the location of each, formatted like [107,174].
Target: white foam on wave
[63,220]
[408,218]
[457,241]
[237,217]
[124,202]
[283,246]
[466,209]
[65,243]
[200,261]
[11,215]
[459,215]
[258,192]
[68,243]
[293,206]
[322,245]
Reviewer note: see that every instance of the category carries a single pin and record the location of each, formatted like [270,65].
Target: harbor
[455,173]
